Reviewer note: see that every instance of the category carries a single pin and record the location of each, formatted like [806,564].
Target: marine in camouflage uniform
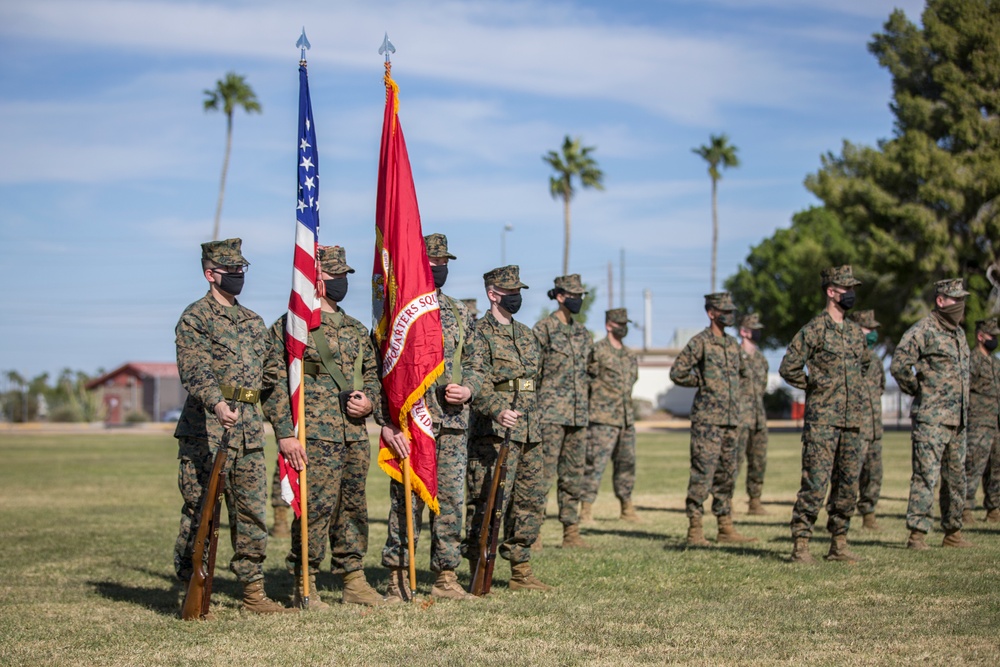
[936,348]
[752,444]
[563,388]
[221,348]
[838,416]
[460,382]
[613,370]
[338,357]
[984,418]
[870,480]
[510,363]
[712,362]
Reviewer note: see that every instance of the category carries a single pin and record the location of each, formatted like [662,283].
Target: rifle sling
[323,347]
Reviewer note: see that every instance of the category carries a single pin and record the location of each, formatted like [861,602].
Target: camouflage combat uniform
[870,479]
[563,387]
[753,436]
[451,430]
[611,433]
[337,445]
[714,365]
[939,411]
[220,352]
[837,414]
[984,422]
[510,356]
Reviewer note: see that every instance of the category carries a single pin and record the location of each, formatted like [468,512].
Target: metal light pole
[503,243]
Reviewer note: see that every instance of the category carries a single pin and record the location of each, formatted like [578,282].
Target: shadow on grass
[165,599]
[634,533]
[759,551]
[673,510]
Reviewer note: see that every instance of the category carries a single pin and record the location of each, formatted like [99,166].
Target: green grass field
[89,523]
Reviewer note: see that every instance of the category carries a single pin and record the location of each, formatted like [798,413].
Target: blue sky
[109,168]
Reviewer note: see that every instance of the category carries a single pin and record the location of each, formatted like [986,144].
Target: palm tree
[718,152]
[231,92]
[575,160]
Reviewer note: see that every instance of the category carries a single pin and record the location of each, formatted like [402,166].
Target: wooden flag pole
[303,500]
[405,464]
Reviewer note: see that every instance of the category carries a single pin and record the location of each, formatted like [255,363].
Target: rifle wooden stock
[489,527]
[199,590]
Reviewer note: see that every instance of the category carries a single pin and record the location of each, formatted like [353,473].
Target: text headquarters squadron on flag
[443,385]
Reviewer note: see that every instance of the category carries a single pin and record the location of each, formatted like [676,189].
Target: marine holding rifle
[510,361]
[341,388]
[221,347]
[448,403]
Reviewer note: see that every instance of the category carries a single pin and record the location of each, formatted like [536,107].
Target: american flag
[303,304]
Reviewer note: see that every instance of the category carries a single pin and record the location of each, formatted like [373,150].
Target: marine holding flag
[341,388]
[407,319]
[447,403]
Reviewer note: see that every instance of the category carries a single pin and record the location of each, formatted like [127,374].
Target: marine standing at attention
[753,438]
[870,480]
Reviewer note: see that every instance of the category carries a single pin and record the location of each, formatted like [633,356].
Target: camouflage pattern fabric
[838,361]
[830,456]
[938,454]
[981,443]
[713,468]
[246,504]
[870,481]
[940,391]
[276,500]
[991,480]
[616,443]
[445,414]
[612,373]
[714,365]
[507,353]
[563,383]
[752,446]
[222,346]
[227,252]
[565,457]
[446,527]
[984,420]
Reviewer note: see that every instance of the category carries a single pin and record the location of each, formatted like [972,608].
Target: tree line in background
[919,207]
[64,400]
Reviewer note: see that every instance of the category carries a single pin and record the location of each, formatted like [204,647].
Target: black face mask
[440,275]
[336,289]
[231,283]
[511,303]
[726,319]
[990,344]
[620,331]
[846,300]
[756,335]
[573,304]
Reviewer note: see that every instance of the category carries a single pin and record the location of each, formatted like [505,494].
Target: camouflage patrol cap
[988,327]
[505,277]
[571,284]
[332,259]
[751,321]
[471,305]
[616,315]
[224,253]
[864,318]
[437,246]
[720,301]
[841,276]
[950,287]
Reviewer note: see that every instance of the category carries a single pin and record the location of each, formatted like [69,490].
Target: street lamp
[503,243]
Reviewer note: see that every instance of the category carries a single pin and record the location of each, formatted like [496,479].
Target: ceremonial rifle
[489,527]
[199,590]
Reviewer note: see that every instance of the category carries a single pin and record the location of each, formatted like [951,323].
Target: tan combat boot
[399,585]
[917,541]
[572,539]
[315,603]
[967,518]
[358,591]
[800,552]
[696,535]
[840,552]
[256,602]
[955,539]
[727,532]
[446,586]
[756,508]
[586,513]
[280,528]
[629,513]
[993,516]
[522,579]
[868,522]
